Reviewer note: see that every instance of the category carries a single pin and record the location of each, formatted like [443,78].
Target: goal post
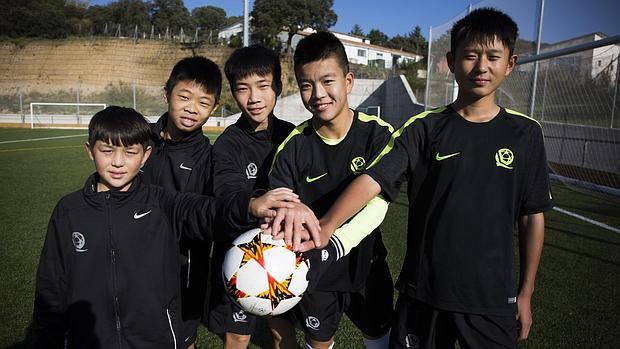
[64,116]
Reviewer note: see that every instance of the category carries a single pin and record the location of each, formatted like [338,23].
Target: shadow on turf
[28,341]
[567,232]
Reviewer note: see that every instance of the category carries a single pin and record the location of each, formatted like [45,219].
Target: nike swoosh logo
[138,216]
[440,158]
[310,180]
[183,167]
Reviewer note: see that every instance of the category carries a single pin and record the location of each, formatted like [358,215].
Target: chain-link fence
[574,93]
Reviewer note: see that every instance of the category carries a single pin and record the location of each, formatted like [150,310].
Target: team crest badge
[251,170]
[504,158]
[358,165]
[78,241]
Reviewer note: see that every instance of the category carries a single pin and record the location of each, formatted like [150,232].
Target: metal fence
[570,86]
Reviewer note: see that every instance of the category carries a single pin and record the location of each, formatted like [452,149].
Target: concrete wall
[397,101]
[594,148]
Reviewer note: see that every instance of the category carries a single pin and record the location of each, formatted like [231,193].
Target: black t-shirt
[467,184]
[318,170]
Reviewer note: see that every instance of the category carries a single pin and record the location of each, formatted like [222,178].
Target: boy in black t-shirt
[318,160]
[474,171]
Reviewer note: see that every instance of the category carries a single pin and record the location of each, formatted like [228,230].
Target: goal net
[62,115]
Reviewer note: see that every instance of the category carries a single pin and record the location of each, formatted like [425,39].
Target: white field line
[42,139]
[586,219]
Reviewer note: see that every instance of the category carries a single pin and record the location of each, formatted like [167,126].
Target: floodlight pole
[538,40]
[428,68]
[246,24]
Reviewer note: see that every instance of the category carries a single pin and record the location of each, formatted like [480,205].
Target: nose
[190,106]
[318,91]
[482,64]
[118,159]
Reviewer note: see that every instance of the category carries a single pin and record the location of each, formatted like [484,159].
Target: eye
[264,86]
[494,57]
[305,87]
[328,82]
[183,98]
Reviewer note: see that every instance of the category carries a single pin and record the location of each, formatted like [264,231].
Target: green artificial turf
[575,303]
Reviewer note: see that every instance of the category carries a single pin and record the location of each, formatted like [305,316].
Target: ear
[450,60]
[349,79]
[512,62]
[147,153]
[217,105]
[277,87]
[165,96]
[89,151]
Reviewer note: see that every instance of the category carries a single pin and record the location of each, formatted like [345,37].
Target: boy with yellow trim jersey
[475,170]
[317,161]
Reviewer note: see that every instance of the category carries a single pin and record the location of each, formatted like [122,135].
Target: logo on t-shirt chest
[251,170]
[504,158]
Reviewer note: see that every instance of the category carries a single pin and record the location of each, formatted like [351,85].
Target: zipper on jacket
[174,337]
[189,265]
[114,276]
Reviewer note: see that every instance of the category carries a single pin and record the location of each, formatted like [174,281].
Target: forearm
[531,238]
[362,224]
[351,201]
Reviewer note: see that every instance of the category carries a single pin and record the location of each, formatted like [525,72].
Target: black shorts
[225,315]
[318,314]
[194,281]
[419,325]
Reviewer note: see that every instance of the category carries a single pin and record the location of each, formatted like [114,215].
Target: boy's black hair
[197,69]
[255,59]
[119,126]
[482,26]
[320,46]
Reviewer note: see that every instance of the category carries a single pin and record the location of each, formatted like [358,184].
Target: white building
[359,50]
[228,32]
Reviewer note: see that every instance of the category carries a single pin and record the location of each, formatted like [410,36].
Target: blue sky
[563,19]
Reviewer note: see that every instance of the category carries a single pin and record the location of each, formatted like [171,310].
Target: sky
[563,19]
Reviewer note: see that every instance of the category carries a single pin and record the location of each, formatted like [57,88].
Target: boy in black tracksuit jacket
[242,156]
[181,161]
[109,270]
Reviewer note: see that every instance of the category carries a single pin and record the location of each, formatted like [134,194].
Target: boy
[181,161]
[474,170]
[318,160]
[242,155]
[109,271]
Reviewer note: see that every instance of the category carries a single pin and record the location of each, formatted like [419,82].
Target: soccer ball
[264,276]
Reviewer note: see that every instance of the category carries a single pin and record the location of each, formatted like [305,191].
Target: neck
[171,133]
[476,109]
[336,128]
[260,126]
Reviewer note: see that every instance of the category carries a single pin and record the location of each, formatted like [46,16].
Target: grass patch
[575,303]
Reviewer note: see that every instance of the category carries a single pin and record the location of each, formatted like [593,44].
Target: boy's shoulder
[374,121]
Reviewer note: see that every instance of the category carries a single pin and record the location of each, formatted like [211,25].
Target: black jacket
[183,165]
[108,276]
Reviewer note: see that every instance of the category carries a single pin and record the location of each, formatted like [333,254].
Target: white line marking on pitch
[586,219]
[43,139]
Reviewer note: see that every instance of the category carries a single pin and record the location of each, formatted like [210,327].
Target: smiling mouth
[480,82]
[185,121]
[256,111]
[117,175]
[321,106]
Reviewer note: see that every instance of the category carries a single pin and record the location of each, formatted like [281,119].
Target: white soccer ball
[264,276]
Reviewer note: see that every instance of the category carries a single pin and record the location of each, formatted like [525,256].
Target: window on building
[600,63]
[379,55]
[361,53]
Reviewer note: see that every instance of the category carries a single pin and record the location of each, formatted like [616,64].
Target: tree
[209,18]
[129,14]
[357,30]
[171,14]
[270,17]
[31,18]
[377,37]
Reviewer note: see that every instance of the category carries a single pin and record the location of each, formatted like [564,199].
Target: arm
[49,320]
[531,238]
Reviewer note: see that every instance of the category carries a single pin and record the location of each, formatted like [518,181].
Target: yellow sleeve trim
[362,224]
[367,118]
[297,131]
[400,131]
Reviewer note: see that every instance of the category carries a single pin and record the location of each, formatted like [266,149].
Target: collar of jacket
[262,135]
[114,198]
